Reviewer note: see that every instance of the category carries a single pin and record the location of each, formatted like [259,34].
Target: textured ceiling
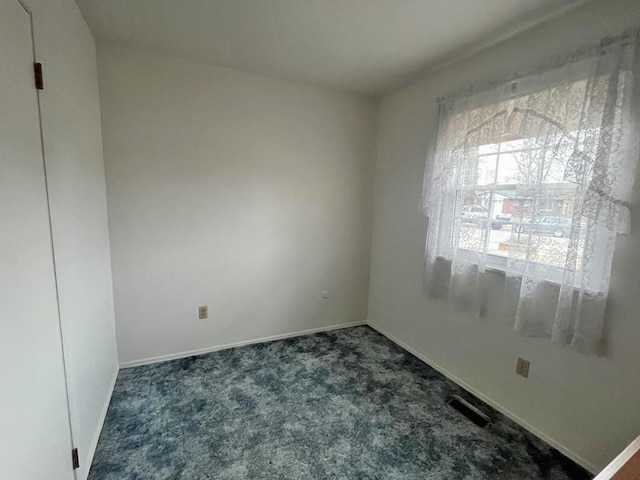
[366,46]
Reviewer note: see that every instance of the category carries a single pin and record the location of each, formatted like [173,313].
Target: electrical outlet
[522,367]
[203,312]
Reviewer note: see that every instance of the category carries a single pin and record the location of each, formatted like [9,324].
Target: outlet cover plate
[203,312]
[522,367]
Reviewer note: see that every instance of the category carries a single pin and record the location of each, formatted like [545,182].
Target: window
[533,177]
[514,200]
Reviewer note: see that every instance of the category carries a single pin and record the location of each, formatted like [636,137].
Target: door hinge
[75,460]
[37,70]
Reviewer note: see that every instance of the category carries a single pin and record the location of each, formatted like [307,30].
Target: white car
[475,214]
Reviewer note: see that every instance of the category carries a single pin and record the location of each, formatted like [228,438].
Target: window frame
[495,262]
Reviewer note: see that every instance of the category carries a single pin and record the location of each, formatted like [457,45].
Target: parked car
[500,220]
[556,226]
[475,214]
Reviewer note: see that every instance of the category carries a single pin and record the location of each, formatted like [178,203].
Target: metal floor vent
[468,410]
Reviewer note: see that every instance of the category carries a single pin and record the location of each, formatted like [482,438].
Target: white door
[35,438]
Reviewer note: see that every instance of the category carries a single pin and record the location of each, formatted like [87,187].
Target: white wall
[587,405]
[247,194]
[75,177]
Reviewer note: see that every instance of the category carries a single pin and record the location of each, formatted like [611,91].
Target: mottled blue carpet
[347,404]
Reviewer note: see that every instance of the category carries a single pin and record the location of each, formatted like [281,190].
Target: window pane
[539,244]
[499,241]
[529,166]
[501,222]
[508,172]
[475,207]
[486,171]
[472,237]
[470,229]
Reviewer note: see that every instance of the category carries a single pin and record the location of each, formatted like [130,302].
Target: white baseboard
[558,446]
[190,353]
[88,459]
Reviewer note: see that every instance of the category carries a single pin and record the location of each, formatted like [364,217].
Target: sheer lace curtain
[533,177]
